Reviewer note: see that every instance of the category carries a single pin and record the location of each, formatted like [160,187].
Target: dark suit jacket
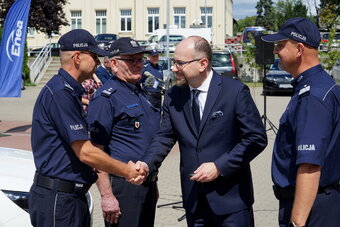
[103,74]
[231,135]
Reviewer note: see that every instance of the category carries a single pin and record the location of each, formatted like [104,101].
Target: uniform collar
[153,65]
[300,81]
[78,89]
[133,87]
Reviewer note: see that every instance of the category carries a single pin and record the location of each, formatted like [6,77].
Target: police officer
[103,72]
[152,79]
[123,123]
[63,155]
[305,165]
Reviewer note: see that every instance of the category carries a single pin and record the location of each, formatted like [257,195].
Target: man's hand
[206,172]
[111,209]
[141,167]
[134,173]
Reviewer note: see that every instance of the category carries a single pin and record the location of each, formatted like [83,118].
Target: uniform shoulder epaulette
[108,92]
[68,87]
[305,90]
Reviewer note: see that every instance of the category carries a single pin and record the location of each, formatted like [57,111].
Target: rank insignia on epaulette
[108,92]
[137,124]
[304,90]
[68,87]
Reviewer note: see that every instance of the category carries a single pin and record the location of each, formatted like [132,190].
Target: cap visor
[274,38]
[100,52]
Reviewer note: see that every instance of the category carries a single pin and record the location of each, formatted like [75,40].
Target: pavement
[15,130]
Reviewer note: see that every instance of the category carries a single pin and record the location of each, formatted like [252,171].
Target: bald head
[198,47]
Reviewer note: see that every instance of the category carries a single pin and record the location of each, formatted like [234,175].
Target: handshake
[136,173]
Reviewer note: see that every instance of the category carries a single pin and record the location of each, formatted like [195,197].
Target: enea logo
[13,45]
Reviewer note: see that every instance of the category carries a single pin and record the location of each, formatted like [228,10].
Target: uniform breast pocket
[130,120]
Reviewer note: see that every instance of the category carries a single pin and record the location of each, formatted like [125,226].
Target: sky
[243,8]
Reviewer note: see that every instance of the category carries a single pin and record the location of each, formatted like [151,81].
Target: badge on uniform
[137,124]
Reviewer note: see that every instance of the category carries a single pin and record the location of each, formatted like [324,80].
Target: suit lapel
[214,90]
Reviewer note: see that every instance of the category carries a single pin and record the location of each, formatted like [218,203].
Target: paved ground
[16,113]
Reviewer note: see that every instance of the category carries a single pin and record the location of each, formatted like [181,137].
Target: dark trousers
[137,203]
[205,217]
[325,211]
[51,208]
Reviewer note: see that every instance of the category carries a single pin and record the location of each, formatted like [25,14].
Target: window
[206,16]
[179,17]
[75,19]
[153,19]
[125,20]
[30,32]
[100,21]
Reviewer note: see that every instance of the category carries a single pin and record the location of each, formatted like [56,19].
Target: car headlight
[19,198]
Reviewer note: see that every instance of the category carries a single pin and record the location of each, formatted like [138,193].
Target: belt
[60,185]
[289,192]
[152,177]
[154,94]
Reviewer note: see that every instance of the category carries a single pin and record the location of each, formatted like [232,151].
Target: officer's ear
[300,49]
[113,65]
[76,58]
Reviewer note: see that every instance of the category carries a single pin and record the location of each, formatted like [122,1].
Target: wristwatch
[292,224]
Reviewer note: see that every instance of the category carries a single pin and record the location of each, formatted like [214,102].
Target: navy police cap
[81,40]
[299,29]
[154,53]
[125,46]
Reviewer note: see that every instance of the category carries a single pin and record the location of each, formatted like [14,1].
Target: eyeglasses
[180,64]
[133,61]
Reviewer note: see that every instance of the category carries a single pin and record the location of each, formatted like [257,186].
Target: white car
[16,177]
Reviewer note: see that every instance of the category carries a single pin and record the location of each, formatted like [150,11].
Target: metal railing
[39,63]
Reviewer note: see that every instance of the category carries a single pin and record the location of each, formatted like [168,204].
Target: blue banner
[12,48]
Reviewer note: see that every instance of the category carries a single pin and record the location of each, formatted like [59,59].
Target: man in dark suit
[217,147]
[103,72]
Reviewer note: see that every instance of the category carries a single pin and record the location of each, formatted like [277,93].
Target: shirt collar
[299,81]
[78,89]
[205,85]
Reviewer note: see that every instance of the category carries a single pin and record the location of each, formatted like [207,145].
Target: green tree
[265,14]
[286,9]
[330,19]
[246,22]
[46,16]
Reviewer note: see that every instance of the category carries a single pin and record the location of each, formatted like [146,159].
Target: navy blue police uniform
[153,90]
[310,133]
[61,179]
[124,122]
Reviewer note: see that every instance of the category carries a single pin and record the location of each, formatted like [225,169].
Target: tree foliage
[286,9]
[246,22]
[329,17]
[265,14]
[46,16]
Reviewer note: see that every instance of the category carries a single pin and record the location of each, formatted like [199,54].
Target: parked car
[324,41]
[335,72]
[224,63]
[169,76]
[55,49]
[16,177]
[277,80]
[104,41]
[173,41]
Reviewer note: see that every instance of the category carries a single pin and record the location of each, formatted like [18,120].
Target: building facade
[139,18]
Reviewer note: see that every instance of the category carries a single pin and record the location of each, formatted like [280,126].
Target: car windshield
[325,36]
[106,37]
[172,38]
[221,60]
[163,63]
